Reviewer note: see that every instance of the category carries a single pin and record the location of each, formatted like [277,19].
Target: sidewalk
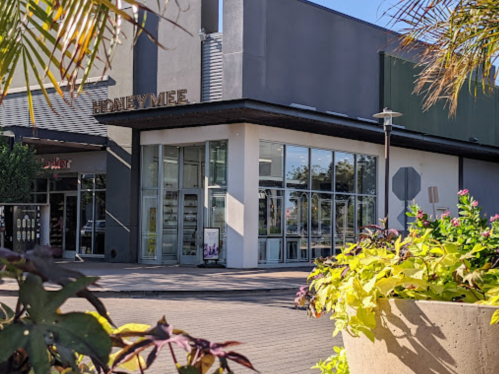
[129,280]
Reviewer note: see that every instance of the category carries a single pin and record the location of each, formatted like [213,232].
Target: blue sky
[366,10]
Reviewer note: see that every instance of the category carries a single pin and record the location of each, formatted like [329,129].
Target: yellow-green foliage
[448,259]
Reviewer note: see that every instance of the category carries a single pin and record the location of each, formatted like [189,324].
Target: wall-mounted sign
[211,237]
[150,100]
[56,163]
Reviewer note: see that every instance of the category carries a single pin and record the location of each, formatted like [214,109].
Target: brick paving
[140,278]
[278,339]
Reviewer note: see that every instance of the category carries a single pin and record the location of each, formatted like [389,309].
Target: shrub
[447,259]
[18,170]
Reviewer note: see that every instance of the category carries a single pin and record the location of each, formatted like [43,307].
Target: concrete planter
[427,337]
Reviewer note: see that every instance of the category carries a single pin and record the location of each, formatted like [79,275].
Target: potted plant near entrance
[426,301]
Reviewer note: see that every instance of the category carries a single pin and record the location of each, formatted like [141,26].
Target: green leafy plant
[37,337]
[446,259]
[18,170]
[336,364]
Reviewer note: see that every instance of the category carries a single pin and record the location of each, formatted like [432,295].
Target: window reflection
[170,167]
[344,219]
[150,159]
[271,164]
[366,214]
[217,216]
[193,167]
[218,163]
[345,172]
[329,211]
[366,175]
[296,209]
[296,167]
[321,166]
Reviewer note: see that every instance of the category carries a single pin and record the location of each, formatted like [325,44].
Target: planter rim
[462,305]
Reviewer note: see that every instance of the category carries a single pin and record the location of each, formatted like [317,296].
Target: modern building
[263,130]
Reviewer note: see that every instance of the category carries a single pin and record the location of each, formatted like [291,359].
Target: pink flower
[475,203]
[486,234]
[455,222]
[494,218]
[463,192]
[445,215]
[426,223]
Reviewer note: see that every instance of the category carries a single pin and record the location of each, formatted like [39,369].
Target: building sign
[211,243]
[123,104]
[56,163]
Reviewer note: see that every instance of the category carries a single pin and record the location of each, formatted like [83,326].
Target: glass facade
[75,198]
[176,194]
[312,201]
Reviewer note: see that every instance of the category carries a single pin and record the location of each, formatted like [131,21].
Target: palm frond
[62,39]
[461,45]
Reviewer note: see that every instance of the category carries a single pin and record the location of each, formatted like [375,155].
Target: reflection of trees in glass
[345,176]
[297,176]
[366,179]
[297,213]
[321,214]
[344,222]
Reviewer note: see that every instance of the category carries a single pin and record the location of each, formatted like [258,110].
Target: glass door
[57,220]
[70,224]
[191,227]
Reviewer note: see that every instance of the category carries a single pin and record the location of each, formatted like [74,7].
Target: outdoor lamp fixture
[388,116]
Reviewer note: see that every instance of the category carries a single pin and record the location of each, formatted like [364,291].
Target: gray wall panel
[482,179]
[294,51]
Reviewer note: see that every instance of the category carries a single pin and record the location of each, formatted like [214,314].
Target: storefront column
[123,182]
[242,217]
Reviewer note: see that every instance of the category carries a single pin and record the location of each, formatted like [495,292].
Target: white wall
[242,206]
[435,170]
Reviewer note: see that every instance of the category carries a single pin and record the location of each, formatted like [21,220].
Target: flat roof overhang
[50,141]
[286,117]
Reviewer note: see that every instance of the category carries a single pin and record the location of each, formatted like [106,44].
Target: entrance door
[70,224]
[63,216]
[190,238]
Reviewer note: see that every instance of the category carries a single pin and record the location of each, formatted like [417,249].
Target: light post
[388,116]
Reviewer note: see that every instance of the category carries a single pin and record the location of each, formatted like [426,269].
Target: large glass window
[366,175]
[345,172]
[150,160]
[271,164]
[170,167]
[313,214]
[217,205]
[218,163]
[149,225]
[193,167]
[149,216]
[296,206]
[366,214]
[322,169]
[296,167]
[270,226]
[345,219]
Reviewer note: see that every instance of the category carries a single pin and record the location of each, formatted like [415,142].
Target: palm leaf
[62,39]
[461,45]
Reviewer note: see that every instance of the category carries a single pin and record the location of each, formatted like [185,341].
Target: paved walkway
[136,279]
[277,338]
